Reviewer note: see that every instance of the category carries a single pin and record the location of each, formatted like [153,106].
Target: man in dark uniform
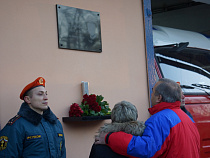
[35,131]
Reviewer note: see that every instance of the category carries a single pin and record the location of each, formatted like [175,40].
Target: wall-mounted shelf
[86,118]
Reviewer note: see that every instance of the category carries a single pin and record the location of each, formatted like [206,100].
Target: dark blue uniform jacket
[31,135]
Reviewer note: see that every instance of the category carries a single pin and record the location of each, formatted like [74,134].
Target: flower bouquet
[91,105]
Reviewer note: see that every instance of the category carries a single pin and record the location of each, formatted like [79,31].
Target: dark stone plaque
[78,29]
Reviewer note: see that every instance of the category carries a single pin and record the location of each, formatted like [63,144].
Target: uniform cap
[40,81]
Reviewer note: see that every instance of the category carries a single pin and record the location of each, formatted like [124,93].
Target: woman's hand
[100,139]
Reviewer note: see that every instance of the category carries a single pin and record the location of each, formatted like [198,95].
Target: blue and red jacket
[169,132]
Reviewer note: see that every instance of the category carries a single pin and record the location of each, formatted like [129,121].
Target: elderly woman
[124,118]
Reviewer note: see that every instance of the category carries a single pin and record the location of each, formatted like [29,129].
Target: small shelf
[86,118]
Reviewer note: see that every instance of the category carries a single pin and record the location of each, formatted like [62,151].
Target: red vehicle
[184,57]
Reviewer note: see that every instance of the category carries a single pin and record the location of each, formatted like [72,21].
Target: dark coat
[103,151]
[30,134]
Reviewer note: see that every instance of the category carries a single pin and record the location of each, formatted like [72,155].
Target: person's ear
[159,99]
[27,99]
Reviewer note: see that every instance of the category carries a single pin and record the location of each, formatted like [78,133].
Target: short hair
[28,93]
[169,90]
[123,112]
[124,118]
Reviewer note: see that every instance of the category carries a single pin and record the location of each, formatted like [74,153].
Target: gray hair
[123,112]
[124,118]
[169,90]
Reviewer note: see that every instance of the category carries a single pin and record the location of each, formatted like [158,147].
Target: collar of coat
[30,115]
[164,105]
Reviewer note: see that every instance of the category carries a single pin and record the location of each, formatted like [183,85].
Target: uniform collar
[34,117]
[164,105]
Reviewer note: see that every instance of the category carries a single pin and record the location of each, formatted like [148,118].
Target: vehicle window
[190,67]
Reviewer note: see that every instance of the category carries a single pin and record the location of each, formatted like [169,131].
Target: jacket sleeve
[13,142]
[154,136]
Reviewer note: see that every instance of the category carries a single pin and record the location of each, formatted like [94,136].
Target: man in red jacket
[169,132]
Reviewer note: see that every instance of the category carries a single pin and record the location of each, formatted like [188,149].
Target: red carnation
[89,104]
[91,101]
[75,110]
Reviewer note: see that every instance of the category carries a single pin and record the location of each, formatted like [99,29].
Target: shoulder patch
[12,120]
[3,141]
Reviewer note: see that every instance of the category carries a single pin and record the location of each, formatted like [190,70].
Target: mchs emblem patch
[3,142]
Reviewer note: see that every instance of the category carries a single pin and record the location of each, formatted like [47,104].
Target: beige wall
[29,49]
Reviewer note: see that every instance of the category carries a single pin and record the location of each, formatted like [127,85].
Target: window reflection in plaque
[78,29]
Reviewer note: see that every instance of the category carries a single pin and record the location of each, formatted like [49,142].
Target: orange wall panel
[29,49]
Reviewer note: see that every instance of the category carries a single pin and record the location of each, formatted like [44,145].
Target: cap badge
[41,81]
